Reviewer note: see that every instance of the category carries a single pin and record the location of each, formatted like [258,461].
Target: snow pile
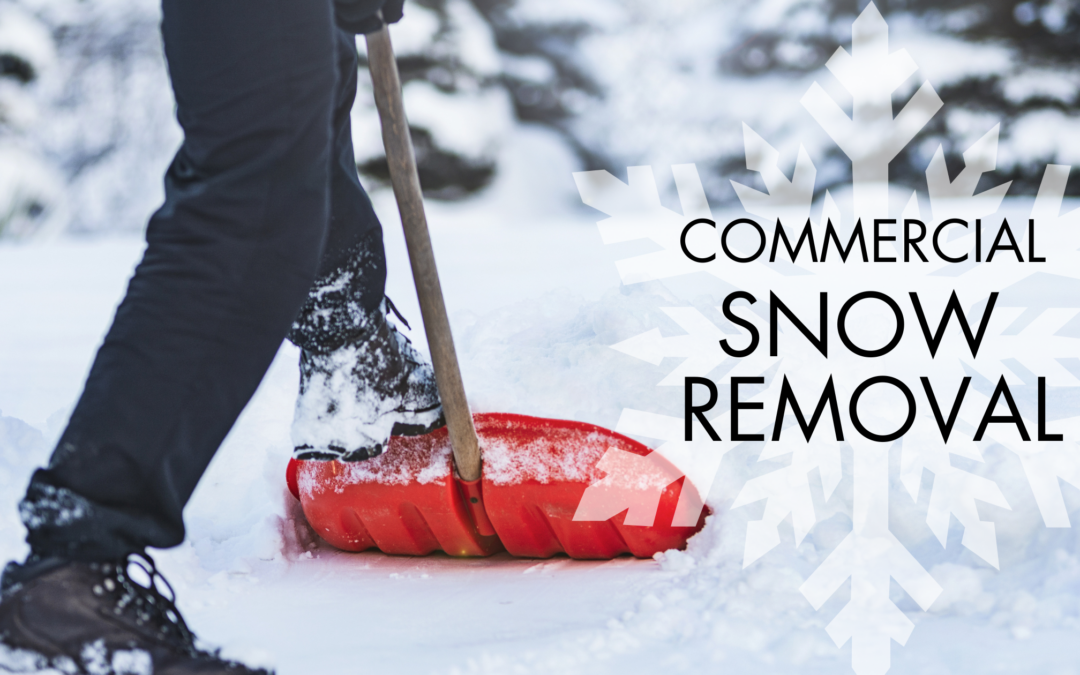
[707,611]
[554,457]
[550,356]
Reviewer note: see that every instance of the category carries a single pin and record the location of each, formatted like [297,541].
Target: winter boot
[87,618]
[353,398]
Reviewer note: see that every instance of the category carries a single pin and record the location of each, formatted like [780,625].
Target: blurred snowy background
[532,89]
[86,115]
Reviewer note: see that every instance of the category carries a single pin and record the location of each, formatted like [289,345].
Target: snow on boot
[62,616]
[352,399]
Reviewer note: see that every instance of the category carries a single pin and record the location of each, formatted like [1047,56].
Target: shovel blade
[536,476]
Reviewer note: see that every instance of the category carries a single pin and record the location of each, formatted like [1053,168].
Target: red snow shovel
[547,486]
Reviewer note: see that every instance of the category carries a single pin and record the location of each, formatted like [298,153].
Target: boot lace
[391,307]
[146,605]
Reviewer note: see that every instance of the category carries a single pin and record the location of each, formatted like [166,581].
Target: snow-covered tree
[31,190]
[470,71]
[625,82]
[458,109]
[541,66]
[992,61]
[107,117]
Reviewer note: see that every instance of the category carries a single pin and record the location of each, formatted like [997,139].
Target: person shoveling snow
[265,232]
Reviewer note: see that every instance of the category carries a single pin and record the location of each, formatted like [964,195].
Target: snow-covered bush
[107,114]
[32,201]
[458,109]
[624,82]
[1008,61]
[471,71]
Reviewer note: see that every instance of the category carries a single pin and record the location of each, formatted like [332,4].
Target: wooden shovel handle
[406,182]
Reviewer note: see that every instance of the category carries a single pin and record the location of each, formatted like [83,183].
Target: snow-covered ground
[535,302]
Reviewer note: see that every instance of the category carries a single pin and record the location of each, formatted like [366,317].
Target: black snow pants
[262,206]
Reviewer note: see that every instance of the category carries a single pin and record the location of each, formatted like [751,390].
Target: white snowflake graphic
[878,336]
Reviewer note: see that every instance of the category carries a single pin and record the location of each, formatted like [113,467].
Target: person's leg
[360,380]
[230,259]
[352,272]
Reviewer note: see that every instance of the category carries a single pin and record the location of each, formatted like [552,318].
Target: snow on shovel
[546,486]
